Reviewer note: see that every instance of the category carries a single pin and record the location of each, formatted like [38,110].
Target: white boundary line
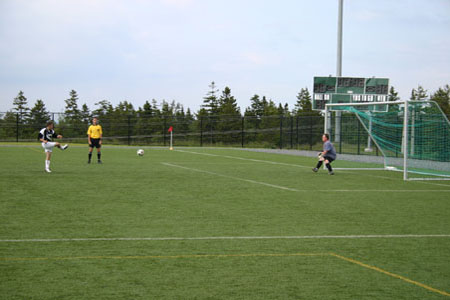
[248,159]
[296,190]
[300,166]
[294,237]
[232,177]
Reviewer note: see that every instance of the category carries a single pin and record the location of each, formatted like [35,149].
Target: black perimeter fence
[277,132]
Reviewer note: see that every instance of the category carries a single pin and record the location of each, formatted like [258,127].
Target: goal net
[413,136]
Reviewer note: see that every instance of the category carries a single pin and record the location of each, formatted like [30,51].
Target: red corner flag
[170,129]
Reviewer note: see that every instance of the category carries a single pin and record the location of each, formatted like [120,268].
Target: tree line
[219,112]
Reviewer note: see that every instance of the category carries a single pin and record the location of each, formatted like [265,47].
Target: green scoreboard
[348,90]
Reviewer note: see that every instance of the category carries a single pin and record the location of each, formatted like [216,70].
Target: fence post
[129,130]
[281,131]
[17,127]
[211,129]
[201,131]
[164,130]
[296,126]
[359,125]
[292,131]
[341,135]
[310,132]
[242,132]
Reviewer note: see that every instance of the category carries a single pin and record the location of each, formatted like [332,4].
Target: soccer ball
[140,152]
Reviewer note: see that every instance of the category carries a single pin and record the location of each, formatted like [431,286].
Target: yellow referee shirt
[95,131]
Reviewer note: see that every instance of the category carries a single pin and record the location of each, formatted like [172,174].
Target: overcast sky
[172,49]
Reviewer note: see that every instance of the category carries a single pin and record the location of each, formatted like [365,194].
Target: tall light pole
[337,134]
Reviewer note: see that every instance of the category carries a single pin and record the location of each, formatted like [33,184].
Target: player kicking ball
[46,135]
[327,155]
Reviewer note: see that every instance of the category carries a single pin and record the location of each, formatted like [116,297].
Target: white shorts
[48,146]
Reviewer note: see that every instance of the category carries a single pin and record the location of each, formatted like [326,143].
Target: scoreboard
[349,90]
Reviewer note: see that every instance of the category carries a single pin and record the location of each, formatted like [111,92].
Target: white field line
[294,237]
[296,190]
[302,166]
[247,159]
[232,177]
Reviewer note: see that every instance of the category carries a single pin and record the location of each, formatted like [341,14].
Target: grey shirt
[331,152]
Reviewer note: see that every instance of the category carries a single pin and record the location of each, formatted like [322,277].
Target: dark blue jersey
[47,134]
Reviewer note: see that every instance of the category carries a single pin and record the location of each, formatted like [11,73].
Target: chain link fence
[278,132]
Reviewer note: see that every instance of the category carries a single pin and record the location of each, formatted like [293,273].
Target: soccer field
[199,223]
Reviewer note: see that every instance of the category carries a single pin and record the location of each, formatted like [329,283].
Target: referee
[95,139]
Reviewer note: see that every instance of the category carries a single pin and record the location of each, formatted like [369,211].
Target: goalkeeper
[327,155]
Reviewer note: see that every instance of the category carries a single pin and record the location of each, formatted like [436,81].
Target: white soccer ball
[140,152]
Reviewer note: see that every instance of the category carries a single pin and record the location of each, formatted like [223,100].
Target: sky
[138,50]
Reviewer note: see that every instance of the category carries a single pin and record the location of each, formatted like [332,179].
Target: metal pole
[17,127]
[292,131]
[201,131]
[369,140]
[242,132]
[164,130]
[337,135]
[129,130]
[359,144]
[281,131]
[405,142]
[339,40]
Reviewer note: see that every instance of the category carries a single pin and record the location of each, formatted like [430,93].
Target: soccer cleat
[99,161]
[331,173]
[47,170]
[315,170]
[64,147]
[89,161]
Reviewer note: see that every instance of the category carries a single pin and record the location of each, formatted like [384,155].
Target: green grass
[217,193]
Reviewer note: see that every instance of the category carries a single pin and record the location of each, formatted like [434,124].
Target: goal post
[412,136]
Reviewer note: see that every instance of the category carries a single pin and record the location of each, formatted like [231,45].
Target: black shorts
[328,158]
[95,143]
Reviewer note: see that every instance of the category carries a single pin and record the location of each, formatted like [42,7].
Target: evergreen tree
[442,97]
[21,107]
[280,109]
[85,114]
[210,102]
[189,115]
[72,112]
[393,94]
[228,104]
[39,115]
[104,108]
[303,106]
[155,108]
[270,109]
[286,111]
[123,119]
[256,108]
[147,110]
[166,109]
[72,122]
[419,94]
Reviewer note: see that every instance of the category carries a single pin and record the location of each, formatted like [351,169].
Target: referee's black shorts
[95,143]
